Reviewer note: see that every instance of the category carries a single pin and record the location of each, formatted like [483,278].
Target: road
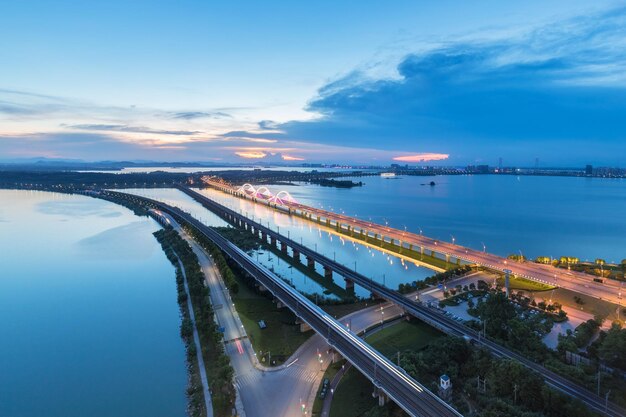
[547,274]
[405,391]
[431,316]
[256,385]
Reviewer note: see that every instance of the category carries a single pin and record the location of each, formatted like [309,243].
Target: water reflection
[88,307]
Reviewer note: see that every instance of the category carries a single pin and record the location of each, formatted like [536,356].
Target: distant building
[589,170]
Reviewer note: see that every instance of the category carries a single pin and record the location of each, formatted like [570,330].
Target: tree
[497,310]
[613,348]
[511,379]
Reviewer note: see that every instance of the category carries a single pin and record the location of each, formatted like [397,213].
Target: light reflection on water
[538,216]
[89,321]
[373,263]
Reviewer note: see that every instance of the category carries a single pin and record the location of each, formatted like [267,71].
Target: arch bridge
[264,193]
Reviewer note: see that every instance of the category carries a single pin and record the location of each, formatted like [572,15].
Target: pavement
[279,391]
[196,339]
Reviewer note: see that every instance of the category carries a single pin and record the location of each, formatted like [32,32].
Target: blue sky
[369,82]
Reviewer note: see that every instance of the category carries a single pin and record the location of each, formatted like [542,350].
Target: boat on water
[387,174]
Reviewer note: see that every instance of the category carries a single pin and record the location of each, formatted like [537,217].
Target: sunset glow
[422,157]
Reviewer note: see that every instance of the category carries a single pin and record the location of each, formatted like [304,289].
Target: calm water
[89,323]
[189,170]
[551,216]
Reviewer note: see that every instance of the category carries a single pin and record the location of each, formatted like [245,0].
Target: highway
[409,394]
[572,280]
[433,317]
[256,385]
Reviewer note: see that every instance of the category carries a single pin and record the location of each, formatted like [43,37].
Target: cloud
[558,93]
[189,115]
[291,158]
[131,129]
[251,154]
[422,157]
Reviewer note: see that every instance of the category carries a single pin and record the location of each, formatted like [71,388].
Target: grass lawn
[281,337]
[354,393]
[353,396]
[525,284]
[405,335]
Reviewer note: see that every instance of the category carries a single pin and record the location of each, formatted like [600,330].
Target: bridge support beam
[382,397]
[310,262]
[264,237]
[349,284]
[304,327]
[507,277]
[328,272]
[273,241]
[335,356]
[283,247]
[296,255]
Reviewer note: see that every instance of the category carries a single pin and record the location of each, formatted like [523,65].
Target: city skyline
[414,84]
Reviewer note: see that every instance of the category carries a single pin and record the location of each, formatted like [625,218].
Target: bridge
[431,316]
[388,378]
[402,240]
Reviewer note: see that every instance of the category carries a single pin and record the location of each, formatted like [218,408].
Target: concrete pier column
[283,247]
[328,272]
[349,283]
[507,277]
[296,255]
[310,262]
[273,241]
[264,237]
[447,258]
[382,397]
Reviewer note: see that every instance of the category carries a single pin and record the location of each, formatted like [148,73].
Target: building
[589,170]
[445,388]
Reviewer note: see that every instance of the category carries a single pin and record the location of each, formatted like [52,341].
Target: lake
[89,317]
[537,216]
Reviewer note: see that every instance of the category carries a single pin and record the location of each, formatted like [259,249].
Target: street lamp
[484,247]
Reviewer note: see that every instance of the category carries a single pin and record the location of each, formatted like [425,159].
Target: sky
[368,82]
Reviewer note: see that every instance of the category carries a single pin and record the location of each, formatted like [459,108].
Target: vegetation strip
[218,368]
